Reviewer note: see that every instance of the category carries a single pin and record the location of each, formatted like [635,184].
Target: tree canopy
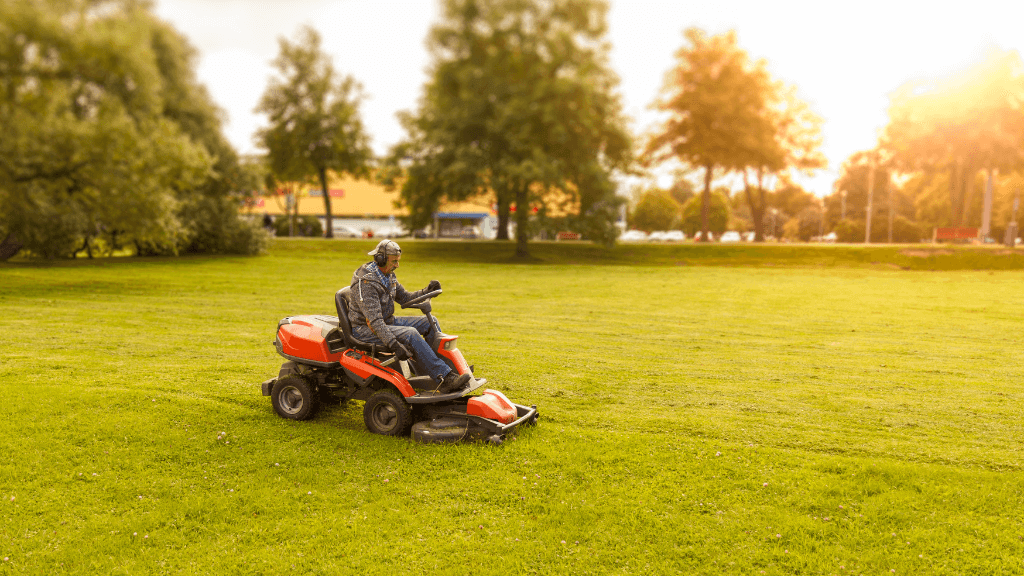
[106,132]
[960,125]
[520,102]
[314,118]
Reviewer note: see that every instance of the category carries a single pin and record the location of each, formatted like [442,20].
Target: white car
[343,231]
[657,236]
[697,236]
[749,236]
[675,236]
[633,236]
[730,236]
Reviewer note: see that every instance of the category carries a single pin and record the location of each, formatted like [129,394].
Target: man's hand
[434,285]
[400,351]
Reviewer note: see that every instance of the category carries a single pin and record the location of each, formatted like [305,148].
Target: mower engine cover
[492,405]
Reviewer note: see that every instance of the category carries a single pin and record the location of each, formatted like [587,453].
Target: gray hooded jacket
[374,303]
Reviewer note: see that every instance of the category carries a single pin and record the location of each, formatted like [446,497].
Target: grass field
[704,410]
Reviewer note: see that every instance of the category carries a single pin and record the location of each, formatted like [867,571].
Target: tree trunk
[9,247]
[329,233]
[522,217]
[502,216]
[705,202]
[756,210]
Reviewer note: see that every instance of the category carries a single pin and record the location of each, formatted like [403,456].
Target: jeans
[410,331]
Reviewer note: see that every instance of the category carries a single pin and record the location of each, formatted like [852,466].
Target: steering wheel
[421,299]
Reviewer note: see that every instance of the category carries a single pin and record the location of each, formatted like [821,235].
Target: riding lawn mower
[325,363]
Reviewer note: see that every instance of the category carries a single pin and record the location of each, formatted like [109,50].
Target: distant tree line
[946,141]
[110,143]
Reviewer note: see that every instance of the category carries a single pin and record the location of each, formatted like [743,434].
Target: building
[364,207]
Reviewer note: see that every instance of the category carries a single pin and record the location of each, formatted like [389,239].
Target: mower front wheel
[387,413]
[293,398]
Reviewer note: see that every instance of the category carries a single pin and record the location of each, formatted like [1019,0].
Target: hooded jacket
[374,302]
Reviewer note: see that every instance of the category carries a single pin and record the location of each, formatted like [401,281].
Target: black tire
[387,413]
[294,399]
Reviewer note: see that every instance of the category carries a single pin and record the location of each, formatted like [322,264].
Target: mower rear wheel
[293,398]
[387,413]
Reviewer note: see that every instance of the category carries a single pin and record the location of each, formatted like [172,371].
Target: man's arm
[402,295]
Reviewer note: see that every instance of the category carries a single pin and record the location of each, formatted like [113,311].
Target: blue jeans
[410,331]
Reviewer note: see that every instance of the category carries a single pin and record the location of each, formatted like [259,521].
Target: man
[375,289]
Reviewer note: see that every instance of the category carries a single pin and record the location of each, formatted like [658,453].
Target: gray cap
[388,246]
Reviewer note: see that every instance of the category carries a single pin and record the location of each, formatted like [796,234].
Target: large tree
[87,147]
[792,144]
[314,118]
[725,113]
[520,103]
[960,125]
[109,139]
[714,100]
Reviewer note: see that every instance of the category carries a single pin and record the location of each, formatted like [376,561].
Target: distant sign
[335,193]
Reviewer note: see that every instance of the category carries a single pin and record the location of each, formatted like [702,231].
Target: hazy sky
[843,57]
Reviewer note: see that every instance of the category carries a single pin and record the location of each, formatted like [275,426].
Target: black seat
[341,302]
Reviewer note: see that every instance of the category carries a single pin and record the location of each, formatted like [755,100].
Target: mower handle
[415,302]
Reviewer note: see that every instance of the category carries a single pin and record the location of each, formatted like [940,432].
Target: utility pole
[871,194]
[986,212]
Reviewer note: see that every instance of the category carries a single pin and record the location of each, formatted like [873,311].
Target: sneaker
[453,381]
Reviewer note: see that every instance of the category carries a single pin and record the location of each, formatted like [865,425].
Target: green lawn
[704,410]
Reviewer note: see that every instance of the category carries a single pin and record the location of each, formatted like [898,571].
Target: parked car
[730,236]
[830,237]
[633,236]
[342,231]
[749,236]
[697,237]
[675,236]
[657,236]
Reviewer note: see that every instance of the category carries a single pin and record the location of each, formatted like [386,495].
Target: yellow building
[360,207]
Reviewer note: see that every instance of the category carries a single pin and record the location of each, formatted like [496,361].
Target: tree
[715,101]
[520,103]
[314,118]
[87,150]
[960,125]
[655,210]
[109,140]
[208,212]
[793,144]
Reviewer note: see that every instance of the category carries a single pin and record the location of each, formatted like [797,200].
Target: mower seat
[342,302]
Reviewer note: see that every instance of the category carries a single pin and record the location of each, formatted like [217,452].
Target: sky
[844,58]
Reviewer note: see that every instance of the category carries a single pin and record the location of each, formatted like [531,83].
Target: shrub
[305,225]
[718,214]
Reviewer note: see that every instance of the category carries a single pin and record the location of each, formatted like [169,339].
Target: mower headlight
[449,344]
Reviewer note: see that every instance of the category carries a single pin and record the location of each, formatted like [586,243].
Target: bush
[656,210]
[903,231]
[305,225]
[718,214]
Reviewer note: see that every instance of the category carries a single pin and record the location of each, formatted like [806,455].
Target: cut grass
[847,418]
